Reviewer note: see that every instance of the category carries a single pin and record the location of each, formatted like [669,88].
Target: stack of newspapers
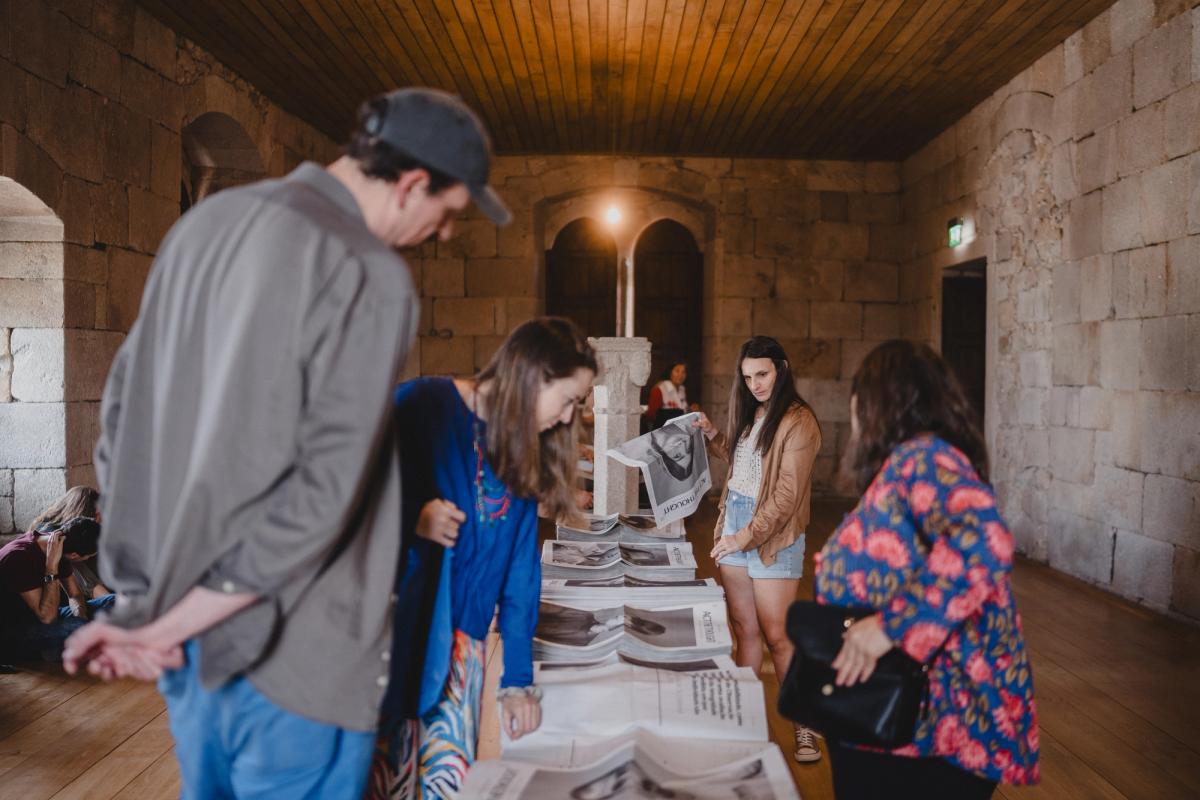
[608,592]
[671,561]
[677,633]
[631,528]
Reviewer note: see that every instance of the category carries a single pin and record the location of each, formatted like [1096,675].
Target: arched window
[217,154]
[581,277]
[668,299]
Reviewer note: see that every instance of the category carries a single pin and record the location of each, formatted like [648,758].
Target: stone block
[874,208]
[1171,511]
[1076,354]
[113,21]
[1063,179]
[453,356]
[1183,276]
[1185,582]
[94,63]
[512,311]
[804,279]
[831,320]
[38,373]
[1182,122]
[1129,21]
[516,241]
[736,234]
[782,319]
[31,303]
[1166,191]
[1095,281]
[465,316]
[882,177]
[443,277]
[843,241]
[33,491]
[1193,365]
[87,356]
[42,43]
[1032,407]
[1067,291]
[1034,369]
[829,399]
[485,348]
[33,435]
[1164,353]
[1162,61]
[1123,221]
[150,217]
[83,431]
[797,205]
[127,145]
[1096,158]
[881,321]
[1033,303]
[872,281]
[154,44]
[1120,354]
[1081,547]
[110,207]
[1122,490]
[836,176]
[835,207]
[1071,454]
[1169,423]
[890,243]
[127,272]
[166,168]
[1140,283]
[64,123]
[853,353]
[14,106]
[75,210]
[501,277]
[746,276]
[1105,95]
[732,316]
[1095,408]
[1082,228]
[1141,139]
[1142,569]
[29,165]
[813,358]
[782,237]
[31,260]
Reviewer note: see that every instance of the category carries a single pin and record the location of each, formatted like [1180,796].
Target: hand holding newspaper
[674,463]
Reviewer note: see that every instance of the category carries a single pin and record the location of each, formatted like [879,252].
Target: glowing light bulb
[612,216]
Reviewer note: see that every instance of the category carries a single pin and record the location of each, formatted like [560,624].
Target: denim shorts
[789,562]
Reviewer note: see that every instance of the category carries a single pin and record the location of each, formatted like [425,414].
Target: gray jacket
[245,443]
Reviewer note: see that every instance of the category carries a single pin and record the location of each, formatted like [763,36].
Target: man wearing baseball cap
[251,496]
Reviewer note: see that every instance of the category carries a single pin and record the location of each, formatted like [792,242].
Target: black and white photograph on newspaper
[674,465]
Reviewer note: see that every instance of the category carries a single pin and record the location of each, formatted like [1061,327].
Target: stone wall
[1080,184]
[807,252]
[95,100]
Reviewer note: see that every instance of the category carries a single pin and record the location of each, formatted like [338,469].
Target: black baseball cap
[438,129]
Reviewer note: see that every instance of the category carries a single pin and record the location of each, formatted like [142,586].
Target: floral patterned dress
[981,715]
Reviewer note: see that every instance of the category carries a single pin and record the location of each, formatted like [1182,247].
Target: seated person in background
[78,501]
[668,398]
[34,569]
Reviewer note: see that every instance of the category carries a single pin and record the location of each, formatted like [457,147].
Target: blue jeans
[233,742]
[789,562]
[38,641]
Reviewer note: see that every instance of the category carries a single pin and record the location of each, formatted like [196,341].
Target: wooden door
[964,331]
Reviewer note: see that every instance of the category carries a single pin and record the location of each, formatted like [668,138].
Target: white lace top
[746,475]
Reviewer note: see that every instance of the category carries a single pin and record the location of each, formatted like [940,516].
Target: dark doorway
[964,328]
[668,298]
[581,277]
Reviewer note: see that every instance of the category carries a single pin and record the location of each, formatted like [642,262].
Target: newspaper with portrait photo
[674,464]
[626,590]
[679,633]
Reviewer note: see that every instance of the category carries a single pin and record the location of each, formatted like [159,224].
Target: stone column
[624,369]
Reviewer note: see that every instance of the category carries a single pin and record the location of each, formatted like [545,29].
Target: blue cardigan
[438,589]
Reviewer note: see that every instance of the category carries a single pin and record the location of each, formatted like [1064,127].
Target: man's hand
[439,522]
[110,652]
[520,714]
[54,552]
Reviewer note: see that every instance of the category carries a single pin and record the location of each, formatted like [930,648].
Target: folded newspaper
[640,766]
[608,592]
[656,561]
[674,464]
[619,528]
[597,703]
[678,633]
[545,670]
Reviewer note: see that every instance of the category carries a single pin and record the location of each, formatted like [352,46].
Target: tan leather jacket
[785,496]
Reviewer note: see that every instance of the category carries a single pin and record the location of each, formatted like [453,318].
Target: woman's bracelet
[512,691]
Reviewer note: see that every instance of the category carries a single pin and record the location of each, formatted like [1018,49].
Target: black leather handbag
[880,712]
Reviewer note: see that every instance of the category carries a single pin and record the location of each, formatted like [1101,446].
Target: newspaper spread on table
[671,633]
[652,561]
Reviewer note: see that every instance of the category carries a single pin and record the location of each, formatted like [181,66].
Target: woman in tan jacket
[771,442]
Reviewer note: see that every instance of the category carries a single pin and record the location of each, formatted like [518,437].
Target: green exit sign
[954,232]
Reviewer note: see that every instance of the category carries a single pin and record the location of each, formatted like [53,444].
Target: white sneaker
[806,746]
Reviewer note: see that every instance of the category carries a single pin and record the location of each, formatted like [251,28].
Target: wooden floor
[1117,690]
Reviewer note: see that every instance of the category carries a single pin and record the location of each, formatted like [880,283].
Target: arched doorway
[217,154]
[581,277]
[668,274]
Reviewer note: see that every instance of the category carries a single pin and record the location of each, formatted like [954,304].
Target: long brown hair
[904,388]
[78,501]
[534,463]
[742,405]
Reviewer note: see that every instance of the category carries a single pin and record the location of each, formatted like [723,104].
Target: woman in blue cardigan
[478,456]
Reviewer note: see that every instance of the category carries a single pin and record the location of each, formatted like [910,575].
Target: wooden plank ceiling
[854,79]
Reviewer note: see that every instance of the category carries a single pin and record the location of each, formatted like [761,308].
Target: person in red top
[35,568]
[668,398]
